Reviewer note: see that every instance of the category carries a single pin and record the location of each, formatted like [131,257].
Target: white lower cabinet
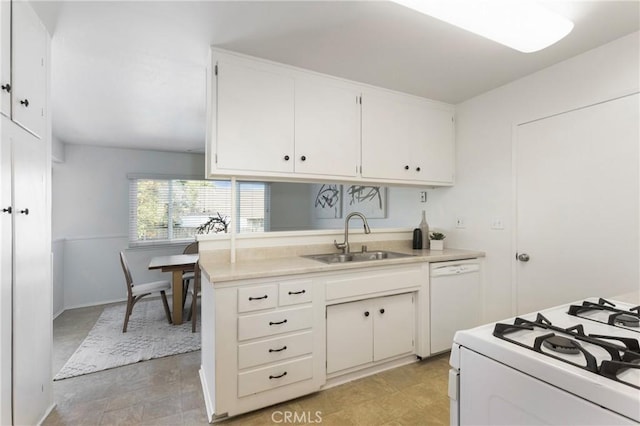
[366,331]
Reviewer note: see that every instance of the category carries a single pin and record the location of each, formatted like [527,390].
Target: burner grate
[627,319]
[624,352]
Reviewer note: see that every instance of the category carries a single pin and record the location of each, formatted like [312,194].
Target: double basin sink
[357,256]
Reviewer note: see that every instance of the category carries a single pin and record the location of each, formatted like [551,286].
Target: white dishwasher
[455,300]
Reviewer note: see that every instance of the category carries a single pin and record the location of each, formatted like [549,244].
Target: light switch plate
[460,223]
[496,223]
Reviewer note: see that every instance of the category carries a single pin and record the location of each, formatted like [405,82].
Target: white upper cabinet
[5,58]
[23,68]
[327,128]
[406,138]
[254,119]
[272,121]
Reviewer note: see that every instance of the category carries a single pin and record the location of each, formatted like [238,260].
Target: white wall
[91,221]
[484,181]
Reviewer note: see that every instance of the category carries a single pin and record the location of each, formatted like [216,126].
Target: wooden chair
[136,292]
[187,277]
[195,292]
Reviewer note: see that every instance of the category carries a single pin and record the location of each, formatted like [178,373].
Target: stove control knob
[523,257]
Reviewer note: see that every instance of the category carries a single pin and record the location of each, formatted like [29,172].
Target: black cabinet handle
[258,298]
[382,311]
[277,377]
[7,210]
[366,313]
[417,169]
[25,211]
[286,158]
[25,102]
[6,88]
[297,292]
[278,350]
[277,322]
[406,167]
[303,158]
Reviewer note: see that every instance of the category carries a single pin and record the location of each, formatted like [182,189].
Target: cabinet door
[5,57]
[327,128]
[349,335]
[394,321]
[255,113]
[386,137]
[31,280]
[28,53]
[404,138]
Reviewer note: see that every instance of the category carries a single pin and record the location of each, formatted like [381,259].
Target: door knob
[523,257]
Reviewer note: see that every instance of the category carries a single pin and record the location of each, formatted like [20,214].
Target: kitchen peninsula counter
[218,272]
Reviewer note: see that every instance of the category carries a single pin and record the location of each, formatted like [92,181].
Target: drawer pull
[278,350]
[277,377]
[297,292]
[278,322]
[259,298]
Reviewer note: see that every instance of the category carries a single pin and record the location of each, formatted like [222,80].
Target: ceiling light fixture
[522,25]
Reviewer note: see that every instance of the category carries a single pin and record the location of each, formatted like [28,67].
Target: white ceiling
[132,74]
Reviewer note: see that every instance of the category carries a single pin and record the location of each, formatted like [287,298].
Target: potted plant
[437,241]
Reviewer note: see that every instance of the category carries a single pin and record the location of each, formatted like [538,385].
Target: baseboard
[46,413]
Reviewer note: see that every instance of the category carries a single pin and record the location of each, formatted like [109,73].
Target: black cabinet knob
[366,313]
[25,102]
[6,88]
[7,210]
[25,211]
[417,169]
[382,311]
[406,167]
[286,158]
[303,158]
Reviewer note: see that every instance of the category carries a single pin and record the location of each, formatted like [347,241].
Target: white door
[31,281]
[255,113]
[6,242]
[349,335]
[327,129]
[577,205]
[393,326]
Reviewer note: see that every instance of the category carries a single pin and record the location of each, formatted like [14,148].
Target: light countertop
[218,272]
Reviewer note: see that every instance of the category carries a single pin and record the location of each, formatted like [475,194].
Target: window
[166,210]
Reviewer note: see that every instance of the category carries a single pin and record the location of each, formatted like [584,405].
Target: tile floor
[167,391]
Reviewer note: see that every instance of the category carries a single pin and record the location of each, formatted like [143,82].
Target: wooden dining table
[177,264]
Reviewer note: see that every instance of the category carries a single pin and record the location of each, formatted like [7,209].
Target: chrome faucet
[345,245]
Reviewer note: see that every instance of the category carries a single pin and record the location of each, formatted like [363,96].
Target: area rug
[148,336]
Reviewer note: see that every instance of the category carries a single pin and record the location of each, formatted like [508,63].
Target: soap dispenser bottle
[424,228]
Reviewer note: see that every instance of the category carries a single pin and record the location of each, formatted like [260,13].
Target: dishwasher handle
[465,268]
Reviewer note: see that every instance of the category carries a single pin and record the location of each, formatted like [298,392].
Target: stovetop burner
[608,313]
[609,356]
[561,344]
[627,320]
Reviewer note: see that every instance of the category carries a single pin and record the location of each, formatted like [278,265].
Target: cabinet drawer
[294,292]
[272,350]
[256,298]
[274,376]
[269,323]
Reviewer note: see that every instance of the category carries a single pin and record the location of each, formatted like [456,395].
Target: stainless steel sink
[357,256]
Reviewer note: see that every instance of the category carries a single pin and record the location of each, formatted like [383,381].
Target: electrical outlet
[423,196]
[497,223]
[460,224]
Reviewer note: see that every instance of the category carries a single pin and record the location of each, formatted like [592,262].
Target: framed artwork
[368,200]
[327,201]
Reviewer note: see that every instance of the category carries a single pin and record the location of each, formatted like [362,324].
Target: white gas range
[576,364]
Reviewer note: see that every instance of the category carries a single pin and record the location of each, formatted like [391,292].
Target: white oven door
[491,393]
